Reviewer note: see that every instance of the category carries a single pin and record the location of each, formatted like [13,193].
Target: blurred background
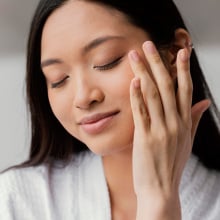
[201,16]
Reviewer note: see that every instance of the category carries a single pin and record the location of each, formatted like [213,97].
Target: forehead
[79,19]
[78,22]
[74,12]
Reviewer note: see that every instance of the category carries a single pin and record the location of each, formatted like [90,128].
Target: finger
[163,80]
[197,111]
[185,86]
[149,90]
[138,107]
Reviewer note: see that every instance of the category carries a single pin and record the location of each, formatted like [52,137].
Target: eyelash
[101,68]
[56,84]
[108,65]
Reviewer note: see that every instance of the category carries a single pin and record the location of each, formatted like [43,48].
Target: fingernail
[184,55]
[134,55]
[149,46]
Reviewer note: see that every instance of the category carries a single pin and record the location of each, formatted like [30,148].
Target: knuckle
[168,85]
[188,88]
[163,136]
[140,68]
[187,125]
[174,129]
[153,94]
[142,109]
[156,58]
[167,135]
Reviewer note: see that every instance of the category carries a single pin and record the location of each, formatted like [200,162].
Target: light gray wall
[15,17]
[201,16]
[13,122]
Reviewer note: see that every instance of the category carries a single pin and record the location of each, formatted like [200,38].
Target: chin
[109,149]
[109,142]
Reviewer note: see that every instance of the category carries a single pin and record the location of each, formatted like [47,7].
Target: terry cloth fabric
[79,191]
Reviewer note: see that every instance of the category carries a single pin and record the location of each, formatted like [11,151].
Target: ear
[182,40]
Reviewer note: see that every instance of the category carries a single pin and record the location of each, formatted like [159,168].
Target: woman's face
[84,59]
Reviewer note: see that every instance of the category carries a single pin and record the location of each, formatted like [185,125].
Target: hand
[165,126]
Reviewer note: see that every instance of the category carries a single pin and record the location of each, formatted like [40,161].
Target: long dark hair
[160,19]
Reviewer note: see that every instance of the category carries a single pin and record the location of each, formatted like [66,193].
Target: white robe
[79,192]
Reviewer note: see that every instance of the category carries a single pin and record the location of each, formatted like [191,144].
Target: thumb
[197,111]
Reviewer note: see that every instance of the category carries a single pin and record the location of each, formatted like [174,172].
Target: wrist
[158,207]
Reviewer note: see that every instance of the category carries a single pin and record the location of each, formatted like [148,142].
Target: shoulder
[200,191]
[18,179]
[41,189]
[16,186]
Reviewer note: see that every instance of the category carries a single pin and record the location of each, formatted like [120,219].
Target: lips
[96,123]
[96,117]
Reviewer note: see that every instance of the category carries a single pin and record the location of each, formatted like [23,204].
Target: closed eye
[56,84]
[109,65]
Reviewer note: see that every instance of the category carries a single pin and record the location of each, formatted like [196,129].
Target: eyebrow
[49,62]
[92,45]
[96,42]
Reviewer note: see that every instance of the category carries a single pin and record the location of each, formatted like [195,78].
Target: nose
[88,93]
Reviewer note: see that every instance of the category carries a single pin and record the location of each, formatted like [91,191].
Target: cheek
[62,107]
[123,81]
[60,104]
[121,94]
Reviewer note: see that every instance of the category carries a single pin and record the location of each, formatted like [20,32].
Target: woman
[112,122]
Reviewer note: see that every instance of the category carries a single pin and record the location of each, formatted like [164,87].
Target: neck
[118,172]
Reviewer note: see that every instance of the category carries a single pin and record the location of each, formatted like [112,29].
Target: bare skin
[164,154]
[147,142]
